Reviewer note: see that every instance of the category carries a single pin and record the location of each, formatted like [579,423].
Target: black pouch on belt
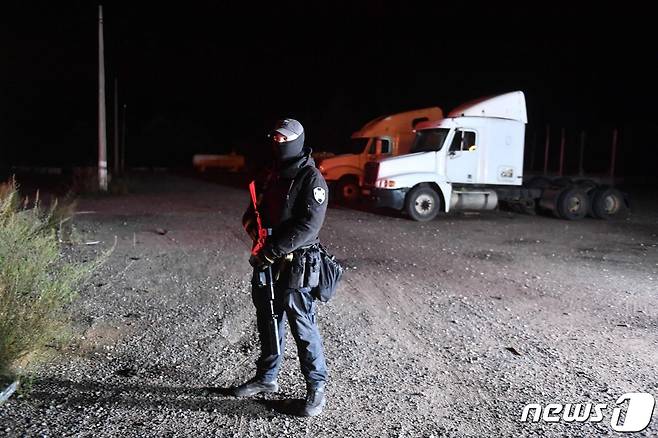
[331,272]
[312,269]
[296,272]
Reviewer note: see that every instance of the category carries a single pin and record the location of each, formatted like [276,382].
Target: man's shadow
[284,406]
[136,395]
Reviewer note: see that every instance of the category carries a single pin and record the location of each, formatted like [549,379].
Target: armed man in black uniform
[291,204]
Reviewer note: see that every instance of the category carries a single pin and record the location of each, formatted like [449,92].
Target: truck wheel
[348,190]
[572,204]
[422,203]
[607,203]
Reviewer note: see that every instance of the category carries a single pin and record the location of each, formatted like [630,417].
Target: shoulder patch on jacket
[319,194]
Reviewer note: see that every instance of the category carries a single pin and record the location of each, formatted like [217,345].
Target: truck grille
[370,173]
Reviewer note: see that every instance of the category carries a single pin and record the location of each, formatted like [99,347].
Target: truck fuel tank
[473,199]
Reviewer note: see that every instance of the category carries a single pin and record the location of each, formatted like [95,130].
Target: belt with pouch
[296,263]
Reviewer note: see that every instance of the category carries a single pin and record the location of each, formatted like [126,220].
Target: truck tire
[607,203]
[572,204]
[348,189]
[422,203]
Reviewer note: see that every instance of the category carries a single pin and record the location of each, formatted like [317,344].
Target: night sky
[206,77]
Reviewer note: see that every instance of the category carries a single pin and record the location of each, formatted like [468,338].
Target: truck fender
[444,190]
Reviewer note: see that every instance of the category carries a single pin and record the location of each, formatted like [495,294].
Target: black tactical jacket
[293,202]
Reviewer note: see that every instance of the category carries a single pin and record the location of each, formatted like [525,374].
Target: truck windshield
[430,140]
[358,145]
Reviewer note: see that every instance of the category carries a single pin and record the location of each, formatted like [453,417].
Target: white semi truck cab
[472,160]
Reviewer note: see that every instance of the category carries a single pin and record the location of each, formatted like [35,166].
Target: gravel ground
[445,328]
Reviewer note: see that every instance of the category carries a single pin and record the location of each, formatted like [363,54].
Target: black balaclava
[291,150]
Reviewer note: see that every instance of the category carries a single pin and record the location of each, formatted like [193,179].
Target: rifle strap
[262,233]
[252,192]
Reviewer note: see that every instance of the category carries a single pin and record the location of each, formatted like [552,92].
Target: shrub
[36,282]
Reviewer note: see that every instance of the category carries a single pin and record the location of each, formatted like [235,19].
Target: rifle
[265,277]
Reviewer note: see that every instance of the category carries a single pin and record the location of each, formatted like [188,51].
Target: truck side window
[462,140]
[373,146]
[386,146]
[456,142]
[469,140]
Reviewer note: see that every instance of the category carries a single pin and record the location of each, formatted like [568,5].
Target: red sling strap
[262,232]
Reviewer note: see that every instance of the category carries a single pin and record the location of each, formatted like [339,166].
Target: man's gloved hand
[261,260]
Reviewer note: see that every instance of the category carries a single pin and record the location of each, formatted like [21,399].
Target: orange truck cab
[383,137]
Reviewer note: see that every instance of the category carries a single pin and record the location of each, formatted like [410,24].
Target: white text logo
[637,415]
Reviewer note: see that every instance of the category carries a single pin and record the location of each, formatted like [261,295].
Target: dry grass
[36,283]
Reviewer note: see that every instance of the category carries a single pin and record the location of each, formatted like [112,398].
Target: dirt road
[446,328]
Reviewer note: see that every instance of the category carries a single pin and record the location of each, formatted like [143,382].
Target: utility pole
[613,157]
[116,126]
[102,128]
[123,138]
[546,146]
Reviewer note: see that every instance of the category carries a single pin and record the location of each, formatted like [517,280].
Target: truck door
[383,147]
[369,154]
[379,147]
[463,157]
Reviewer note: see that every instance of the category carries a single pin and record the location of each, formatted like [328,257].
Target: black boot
[315,400]
[255,386]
